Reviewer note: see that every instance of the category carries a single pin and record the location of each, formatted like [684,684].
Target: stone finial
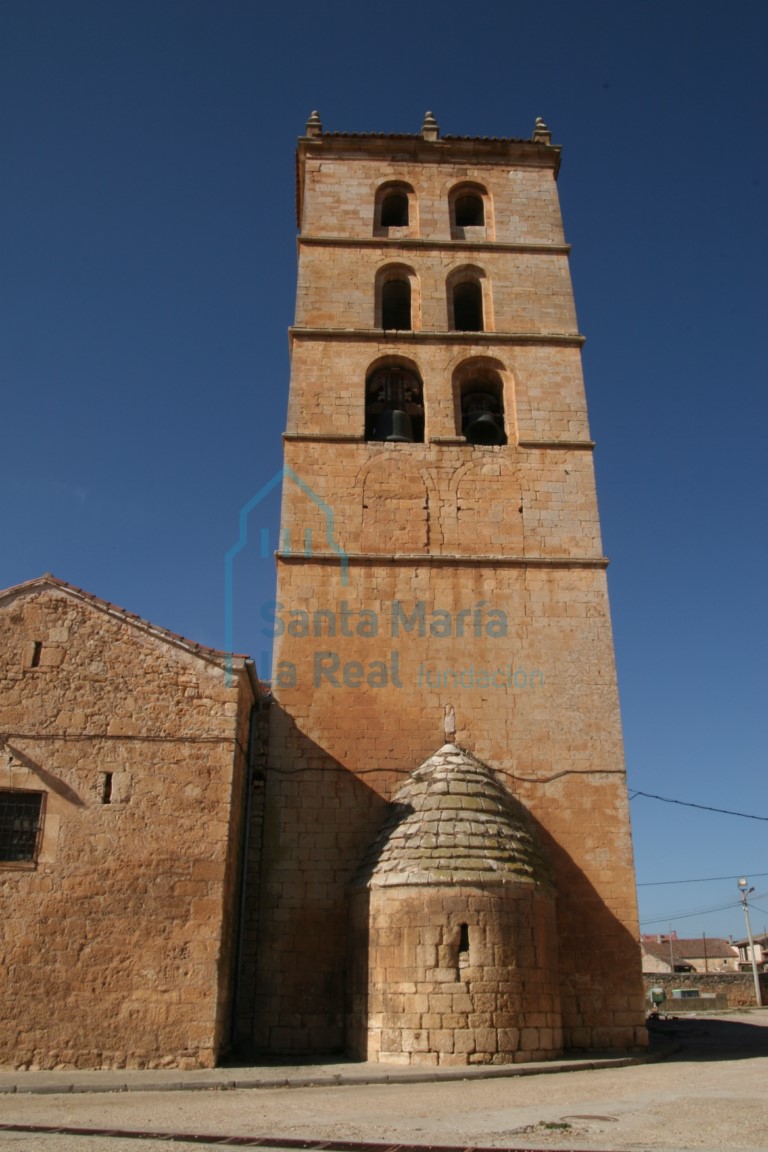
[430,129]
[314,127]
[541,134]
[449,723]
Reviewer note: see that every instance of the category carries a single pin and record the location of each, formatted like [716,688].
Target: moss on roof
[454,822]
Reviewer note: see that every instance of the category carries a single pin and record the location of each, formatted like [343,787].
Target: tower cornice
[390,338]
[526,445]
[450,559]
[485,151]
[434,245]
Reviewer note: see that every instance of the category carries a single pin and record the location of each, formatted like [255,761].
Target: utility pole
[744,890]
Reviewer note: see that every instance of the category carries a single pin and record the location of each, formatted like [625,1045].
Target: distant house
[761,952]
[705,954]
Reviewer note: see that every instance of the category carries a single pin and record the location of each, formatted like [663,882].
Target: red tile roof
[714,948]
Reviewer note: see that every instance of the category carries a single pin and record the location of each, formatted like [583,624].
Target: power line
[688,915]
[703,807]
[697,879]
[700,912]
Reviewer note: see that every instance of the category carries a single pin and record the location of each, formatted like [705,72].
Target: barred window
[21,825]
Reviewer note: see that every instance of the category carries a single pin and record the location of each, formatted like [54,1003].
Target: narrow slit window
[36,653]
[106,788]
[463,946]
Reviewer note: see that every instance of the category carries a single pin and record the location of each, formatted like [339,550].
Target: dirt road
[712,1095]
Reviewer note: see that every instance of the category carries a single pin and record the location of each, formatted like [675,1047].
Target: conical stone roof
[454,822]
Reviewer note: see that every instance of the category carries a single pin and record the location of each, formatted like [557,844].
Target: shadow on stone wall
[601,987]
[318,820]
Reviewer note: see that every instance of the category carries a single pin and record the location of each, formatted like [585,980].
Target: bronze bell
[394,426]
[482,420]
[483,428]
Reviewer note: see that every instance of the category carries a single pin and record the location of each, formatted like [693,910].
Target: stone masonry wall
[528,292]
[535,703]
[443,541]
[117,944]
[524,207]
[543,389]
[427,1003]
[737,988]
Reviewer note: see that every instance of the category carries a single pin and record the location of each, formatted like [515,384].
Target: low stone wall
[733,989]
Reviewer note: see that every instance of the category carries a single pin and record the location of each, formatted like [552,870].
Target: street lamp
[744,890]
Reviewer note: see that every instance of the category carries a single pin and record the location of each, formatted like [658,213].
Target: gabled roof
[210,655]
[713,948]
[757,938]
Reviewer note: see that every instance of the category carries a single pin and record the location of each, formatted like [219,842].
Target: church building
[443,647]
[423,839]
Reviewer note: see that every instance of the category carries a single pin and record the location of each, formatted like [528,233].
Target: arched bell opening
[471,215]
[482,412]
[396,305]
[394,210]
[397,299]
[469,210]
[467,307]
[394,406]
[470,304]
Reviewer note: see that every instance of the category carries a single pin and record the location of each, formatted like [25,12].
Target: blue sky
[147,269]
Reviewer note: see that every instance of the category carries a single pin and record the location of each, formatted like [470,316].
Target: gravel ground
[712,1095]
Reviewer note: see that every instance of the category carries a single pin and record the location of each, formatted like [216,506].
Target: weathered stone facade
[429,568]
[118,934]
[207,875]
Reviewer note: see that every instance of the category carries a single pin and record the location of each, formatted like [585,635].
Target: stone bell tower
[440,557]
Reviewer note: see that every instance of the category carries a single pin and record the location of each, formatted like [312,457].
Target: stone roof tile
[454,822]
